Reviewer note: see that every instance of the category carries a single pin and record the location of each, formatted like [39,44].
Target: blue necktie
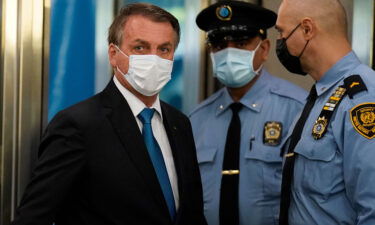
[157,159]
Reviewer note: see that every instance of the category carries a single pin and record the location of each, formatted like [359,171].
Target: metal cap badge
[224,12]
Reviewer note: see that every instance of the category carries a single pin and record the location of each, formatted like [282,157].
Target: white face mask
[147,74]
[233,67]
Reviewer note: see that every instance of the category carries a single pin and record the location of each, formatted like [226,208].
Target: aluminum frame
[23,67]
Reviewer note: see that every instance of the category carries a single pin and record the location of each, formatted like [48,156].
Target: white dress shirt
[158,130]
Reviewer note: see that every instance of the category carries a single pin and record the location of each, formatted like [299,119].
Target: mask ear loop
[259,69]
[117,68]
[118,48]
[260,42]
[292,32]
[261,66]
[303,50]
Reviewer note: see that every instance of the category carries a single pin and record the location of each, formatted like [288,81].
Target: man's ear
[112,52]
[308,27]
[265,47]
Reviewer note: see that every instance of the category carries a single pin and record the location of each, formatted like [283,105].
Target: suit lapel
[173,131]
[125,125]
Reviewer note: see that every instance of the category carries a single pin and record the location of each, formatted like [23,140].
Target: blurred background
[54,54]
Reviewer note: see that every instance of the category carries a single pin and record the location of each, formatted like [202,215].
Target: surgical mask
[233,67]
[290,62]
[147,74]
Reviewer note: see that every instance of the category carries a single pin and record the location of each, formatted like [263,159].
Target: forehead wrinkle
[149,31]
[141,41]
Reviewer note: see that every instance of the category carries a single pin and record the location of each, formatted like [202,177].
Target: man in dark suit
[122,156]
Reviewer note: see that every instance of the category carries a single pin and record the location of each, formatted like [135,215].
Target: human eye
[138,48]
[279,33]
[165,50]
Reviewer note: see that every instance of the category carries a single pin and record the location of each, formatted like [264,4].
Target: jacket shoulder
[81,111]
[172,111]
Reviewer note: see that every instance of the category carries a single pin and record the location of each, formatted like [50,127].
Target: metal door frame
[24,64]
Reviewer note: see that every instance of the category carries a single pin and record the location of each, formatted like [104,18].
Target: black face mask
[290,62]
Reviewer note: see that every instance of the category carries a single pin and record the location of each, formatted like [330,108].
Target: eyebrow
[277,28]
[166,44]
[140,41]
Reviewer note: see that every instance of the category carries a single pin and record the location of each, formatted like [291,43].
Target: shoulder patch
[363,119]
[354,84]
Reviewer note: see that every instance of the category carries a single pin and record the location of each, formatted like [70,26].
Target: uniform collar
[337,72]
[251,100]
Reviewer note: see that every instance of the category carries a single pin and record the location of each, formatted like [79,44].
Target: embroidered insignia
[363,119]
[224,12]
[354,84]
[321,124]
[272,133]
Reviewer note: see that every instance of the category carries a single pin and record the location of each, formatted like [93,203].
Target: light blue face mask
[233,67]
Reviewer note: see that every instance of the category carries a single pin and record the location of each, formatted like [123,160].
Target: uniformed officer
[329,171]
[240,129]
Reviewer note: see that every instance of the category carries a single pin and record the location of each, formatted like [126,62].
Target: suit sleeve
[198,198]
[61,159]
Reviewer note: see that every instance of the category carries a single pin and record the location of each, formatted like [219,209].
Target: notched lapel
[125,125]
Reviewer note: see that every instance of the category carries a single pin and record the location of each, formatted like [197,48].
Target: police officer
[329,171]
[240,129]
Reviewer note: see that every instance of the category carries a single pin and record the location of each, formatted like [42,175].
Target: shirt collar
[337,72]
[135,104]
[253,97]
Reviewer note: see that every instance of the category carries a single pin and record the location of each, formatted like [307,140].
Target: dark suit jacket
[94,169]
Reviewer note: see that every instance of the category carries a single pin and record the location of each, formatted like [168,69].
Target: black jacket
[94,169]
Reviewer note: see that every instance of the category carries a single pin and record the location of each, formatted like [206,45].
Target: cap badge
[224,12]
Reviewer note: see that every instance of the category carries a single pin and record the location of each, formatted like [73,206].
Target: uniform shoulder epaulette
[354,84]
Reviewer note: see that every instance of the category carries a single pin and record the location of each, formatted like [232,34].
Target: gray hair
[150,11]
